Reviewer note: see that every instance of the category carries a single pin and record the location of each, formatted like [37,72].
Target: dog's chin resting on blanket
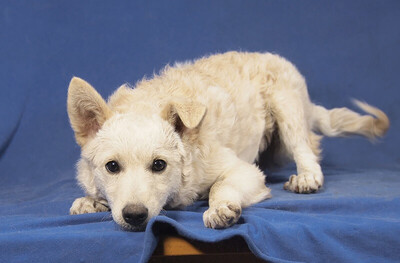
[195,130]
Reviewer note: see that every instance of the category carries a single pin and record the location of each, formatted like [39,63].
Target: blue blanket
[345,49]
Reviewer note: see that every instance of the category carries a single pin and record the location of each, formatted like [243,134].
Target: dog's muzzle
[135,214]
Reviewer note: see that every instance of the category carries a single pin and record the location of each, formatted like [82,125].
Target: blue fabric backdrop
[346,49]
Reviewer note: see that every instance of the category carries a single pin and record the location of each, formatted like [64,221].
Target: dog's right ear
[87,110]
[184,114]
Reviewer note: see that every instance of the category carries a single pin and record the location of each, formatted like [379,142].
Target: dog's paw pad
[303,183]
[222,216]
[86,205]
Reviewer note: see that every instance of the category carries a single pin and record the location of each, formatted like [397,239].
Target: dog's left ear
[184,114]
[87,110]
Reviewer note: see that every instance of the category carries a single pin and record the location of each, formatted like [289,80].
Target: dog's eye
[112,167]
[158,165]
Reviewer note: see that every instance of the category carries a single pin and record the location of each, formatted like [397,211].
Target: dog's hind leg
[238,185]
[291,109]
[343,122]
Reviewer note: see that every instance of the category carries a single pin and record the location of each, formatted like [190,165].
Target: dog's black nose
[135,214]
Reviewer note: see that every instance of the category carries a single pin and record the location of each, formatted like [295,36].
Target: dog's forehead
[134,129]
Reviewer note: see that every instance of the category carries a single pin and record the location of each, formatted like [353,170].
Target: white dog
[195,130]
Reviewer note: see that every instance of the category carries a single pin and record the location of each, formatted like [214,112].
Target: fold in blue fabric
[346,49]
[356,217]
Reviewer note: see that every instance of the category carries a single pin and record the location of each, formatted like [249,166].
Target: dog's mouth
[133,228]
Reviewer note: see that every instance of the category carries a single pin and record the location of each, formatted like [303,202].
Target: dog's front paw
[223,215]
[303,183]
[86,205]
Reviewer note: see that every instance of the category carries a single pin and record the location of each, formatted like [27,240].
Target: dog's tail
[344,122]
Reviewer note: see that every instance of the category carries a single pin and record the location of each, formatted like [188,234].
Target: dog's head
[133,160]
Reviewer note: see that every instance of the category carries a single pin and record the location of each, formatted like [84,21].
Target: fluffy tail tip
[381,121]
